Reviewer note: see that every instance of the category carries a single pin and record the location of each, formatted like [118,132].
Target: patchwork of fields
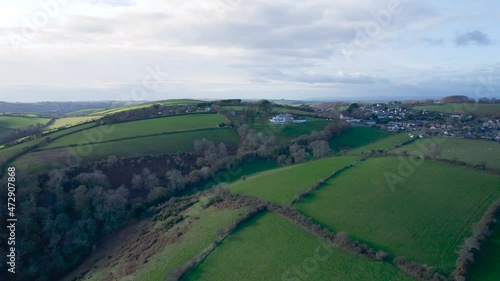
[411,220]
[283,184]
[474,152]
[13,122]
[271,248]
[414,208]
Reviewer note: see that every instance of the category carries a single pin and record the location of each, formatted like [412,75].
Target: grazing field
[356,137]
[8,152]
[199,230]
[271,248]
[424,218]
[475,152]
[285,132]
[141,128]
[281,185]
[486,266]
[144,105]
[385,143]
[170,143]
[480,109]
[72,121]
[14,122]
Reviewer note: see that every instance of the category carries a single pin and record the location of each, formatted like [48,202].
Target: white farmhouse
[285,119]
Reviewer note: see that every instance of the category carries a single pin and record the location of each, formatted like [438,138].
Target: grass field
[170,143]
[271,248]
[385,143]
[72,121]
[141,128]
[463,108]
[8,152]
[486,268]
[285,132]
[198,234]
[281,185]
[357,137]
[425,218]
[148,104]
[473,152]
[9,122]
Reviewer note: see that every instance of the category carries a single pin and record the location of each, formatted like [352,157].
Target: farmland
[285,132]
[168,143]
[148,104]
[385,143]
[481,109]
[474,152]
[20,122]
[357,137]
[271,248]
[72,121]
[142,128]
[281,185]
[411,219]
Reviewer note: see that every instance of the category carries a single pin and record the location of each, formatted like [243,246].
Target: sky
[74,50]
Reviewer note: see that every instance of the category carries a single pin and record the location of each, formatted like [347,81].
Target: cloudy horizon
[165,49]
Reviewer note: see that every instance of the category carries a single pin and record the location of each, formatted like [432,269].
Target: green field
[170,143]
[72,121]
[357,137]
[486,268]
[285,132]
[425,218]
[385,143]
[271,248]
[148,104]
[463,108]
[281,185]
[141,128]
[473,152]
[14,122]
[199,231]
[8,152]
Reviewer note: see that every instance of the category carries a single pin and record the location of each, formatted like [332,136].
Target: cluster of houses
[400,119]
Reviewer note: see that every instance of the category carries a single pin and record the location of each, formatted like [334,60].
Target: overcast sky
[166,49]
